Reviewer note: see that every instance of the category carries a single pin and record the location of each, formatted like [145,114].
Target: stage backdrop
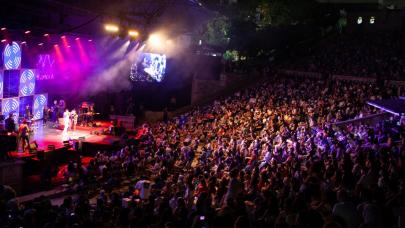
[10,105]
[12,56]
[27,82]
[1,84]
[40,102]
[18,85]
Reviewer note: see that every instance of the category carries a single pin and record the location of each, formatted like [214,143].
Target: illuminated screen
[10,105]
[11,81]
[149,67]
[12,56]
[40,102]
[27,82]
[45,67]
[1,84]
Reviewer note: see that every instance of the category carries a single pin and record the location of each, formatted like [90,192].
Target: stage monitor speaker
[41,155]
[66,143]
[51,147]
[33,147]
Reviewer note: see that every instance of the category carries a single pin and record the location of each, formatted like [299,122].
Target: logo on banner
[27,83]
[39,105]
[12,56]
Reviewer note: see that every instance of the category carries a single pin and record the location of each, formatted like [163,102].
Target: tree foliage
[217,31]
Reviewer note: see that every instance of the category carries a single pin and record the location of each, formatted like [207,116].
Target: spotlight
[40,44]
[77,38]
[359,20]
[63,37]
[2,29]
[155,40]
[46,34]
[3,40]
[90,40]
[69,46]
[111,28]
[56,45]
[27,32]
[372,20]
[133,33]
[24,42]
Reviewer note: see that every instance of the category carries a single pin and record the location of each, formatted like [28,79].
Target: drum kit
[86,114]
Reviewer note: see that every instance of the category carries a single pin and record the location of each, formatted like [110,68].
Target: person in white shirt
[144,187]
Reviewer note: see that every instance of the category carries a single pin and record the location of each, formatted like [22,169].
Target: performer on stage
[27,112]
[66,123]
[23,135]
[73,119]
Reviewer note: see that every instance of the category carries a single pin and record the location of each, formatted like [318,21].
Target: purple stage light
[82,52]
[3,29]
[3,40]
[27,32]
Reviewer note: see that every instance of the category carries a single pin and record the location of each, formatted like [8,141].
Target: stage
[50,139]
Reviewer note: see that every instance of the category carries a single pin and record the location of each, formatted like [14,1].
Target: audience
[268,156]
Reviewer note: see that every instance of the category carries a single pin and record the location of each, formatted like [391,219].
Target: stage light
[27,32]
[55,45]
[77,38]
[40,44]
[63,37]
[69,46]
[3,40]
[3,29]
[111,28]
[155,40]
[46,34]
[359,20]
[90,40]
[24,42]
[372,20]
[133,33]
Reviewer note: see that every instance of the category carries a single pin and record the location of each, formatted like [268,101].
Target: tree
[217,31]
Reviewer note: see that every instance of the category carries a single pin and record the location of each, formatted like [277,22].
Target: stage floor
[46,135]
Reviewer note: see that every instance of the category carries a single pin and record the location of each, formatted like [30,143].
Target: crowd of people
[268,156]
[375,55]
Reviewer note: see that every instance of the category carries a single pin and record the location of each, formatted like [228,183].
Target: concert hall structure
[202,113]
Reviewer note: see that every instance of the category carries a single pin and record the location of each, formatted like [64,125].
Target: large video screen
[149,67]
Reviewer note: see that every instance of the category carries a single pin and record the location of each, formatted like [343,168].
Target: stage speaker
[41,155]
[33,147]
[66,143]
[51,147]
